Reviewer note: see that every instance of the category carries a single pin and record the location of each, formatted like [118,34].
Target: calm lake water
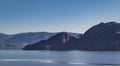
[59,58]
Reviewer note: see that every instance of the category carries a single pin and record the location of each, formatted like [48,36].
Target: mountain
[3,38]
[18,41]
[102,37]
[60,41]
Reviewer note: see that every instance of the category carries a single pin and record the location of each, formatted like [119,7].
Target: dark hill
[60,41]
[104,36]
[101,37]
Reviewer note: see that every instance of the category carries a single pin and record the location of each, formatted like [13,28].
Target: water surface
[59,58]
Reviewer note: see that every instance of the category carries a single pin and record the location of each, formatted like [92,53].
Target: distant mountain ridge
[18,41]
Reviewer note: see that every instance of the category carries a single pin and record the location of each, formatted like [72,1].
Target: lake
[59,58]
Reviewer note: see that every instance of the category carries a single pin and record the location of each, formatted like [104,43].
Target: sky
[17,16]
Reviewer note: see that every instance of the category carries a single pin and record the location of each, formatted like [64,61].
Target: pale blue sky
[18,16]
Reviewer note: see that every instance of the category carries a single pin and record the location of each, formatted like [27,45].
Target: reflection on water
[54,58]
[53,62]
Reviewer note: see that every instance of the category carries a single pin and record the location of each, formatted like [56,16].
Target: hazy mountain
[3,38]
[18,41]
